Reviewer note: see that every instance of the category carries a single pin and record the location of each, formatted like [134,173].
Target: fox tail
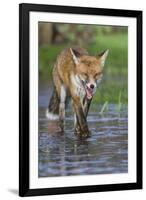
[52,111]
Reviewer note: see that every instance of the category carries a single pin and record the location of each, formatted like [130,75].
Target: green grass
[47,57]
[113,88]
[104,107]
[110,88]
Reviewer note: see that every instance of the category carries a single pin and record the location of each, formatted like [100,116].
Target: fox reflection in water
[54,128]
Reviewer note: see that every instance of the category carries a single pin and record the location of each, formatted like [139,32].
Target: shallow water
[105,152]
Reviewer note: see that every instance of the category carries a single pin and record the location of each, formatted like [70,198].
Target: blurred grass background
[53,38]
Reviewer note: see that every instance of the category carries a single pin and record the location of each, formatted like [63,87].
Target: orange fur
[74,74]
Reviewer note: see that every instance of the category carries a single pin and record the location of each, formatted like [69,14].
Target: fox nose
[92,86]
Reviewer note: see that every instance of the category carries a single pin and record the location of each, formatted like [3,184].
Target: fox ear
[74,56]
[102,57]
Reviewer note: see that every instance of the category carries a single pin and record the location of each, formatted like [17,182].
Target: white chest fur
[79,89]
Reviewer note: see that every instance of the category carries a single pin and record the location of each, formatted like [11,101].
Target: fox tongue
[89,93]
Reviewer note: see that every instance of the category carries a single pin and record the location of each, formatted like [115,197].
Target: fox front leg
[85,105]
[83,130]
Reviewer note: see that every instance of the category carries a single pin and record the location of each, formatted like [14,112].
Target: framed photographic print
[80,99]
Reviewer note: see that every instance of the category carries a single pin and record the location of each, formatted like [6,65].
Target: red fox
[76,75]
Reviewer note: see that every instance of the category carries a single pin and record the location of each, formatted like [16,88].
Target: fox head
[89,70]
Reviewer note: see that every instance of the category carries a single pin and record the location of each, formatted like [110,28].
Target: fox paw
[82,134]
[61,124]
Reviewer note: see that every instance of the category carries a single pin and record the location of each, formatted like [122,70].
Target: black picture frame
[24,10]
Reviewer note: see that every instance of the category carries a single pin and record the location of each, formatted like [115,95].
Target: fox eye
[85,75]
[98,75]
